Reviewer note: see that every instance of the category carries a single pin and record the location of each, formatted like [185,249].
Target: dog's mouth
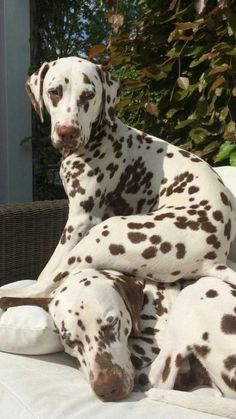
[66,137]
[69,145]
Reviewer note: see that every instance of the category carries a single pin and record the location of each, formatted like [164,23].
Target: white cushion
[51,387]
[27,329]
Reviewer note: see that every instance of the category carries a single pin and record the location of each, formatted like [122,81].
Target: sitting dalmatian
[137,204]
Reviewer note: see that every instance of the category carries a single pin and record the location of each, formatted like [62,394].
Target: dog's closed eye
[110,325]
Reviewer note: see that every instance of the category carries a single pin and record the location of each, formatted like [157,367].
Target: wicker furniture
[29,233]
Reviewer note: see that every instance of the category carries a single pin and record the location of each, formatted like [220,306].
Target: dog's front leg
[85,211]
[75,229]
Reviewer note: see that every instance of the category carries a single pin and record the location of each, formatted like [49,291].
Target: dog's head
[95,313]
[78,95]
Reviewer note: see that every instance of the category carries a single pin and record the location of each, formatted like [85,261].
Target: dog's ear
[34,88]
[111,89]
[131,291]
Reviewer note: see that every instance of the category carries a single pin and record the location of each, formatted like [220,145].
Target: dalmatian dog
[114,325]
[202,321]
[137,204]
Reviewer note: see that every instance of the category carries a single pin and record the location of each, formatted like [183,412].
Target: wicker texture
[29,233]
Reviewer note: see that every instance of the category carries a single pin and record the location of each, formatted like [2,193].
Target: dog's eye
[111,322]
[54,92]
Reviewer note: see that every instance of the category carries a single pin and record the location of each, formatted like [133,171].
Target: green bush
[179,70]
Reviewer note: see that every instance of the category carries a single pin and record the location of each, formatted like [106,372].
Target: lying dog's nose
[109,387]
[67,132]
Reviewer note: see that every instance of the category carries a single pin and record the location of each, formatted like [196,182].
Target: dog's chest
[158,299]
[121,171]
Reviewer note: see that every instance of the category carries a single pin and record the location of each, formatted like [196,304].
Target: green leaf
[198,135]
[230,131]
[201,108]
[171,112]
[134,84]
[183,82]
[232,158]
[225,151]
[210,148]
[184,123]
[219,69]
[231,52]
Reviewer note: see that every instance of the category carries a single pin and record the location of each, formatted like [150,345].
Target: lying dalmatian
[119,327]
[137,204]
[201,321]
[112,323]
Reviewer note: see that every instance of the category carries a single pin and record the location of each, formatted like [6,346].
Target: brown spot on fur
[138,226]
[155,239]
[60,276]
[202,351]
[181,250]
[230,362]
[211,294]
[228,324]
[178,360]
[149,253]
[224,199]
[166,371]
[205,336]
[165,247]
[116,249]
[71,260]
[137,237]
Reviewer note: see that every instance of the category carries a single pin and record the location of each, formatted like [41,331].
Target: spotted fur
[202,322]
[136,203]
[115,326]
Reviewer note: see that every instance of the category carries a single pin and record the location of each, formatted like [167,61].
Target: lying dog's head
[95,313]
[78,95]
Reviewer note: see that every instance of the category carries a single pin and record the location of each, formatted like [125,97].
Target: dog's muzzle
[68,136]
[111,387]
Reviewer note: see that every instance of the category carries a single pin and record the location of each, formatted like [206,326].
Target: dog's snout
[109,387]
[67,132]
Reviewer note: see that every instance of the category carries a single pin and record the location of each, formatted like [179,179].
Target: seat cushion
[51,387]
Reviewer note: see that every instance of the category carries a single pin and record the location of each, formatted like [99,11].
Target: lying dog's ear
[8,302]
[131,291]
[111,89]
[34,88]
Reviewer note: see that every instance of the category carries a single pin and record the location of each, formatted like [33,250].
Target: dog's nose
[109,387]
[67,132]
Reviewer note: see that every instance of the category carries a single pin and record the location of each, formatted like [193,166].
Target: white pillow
[27,330]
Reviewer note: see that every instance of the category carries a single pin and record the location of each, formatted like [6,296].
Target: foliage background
[183,64]
[178,69]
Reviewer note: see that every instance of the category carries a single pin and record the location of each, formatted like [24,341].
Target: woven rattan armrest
[29,233]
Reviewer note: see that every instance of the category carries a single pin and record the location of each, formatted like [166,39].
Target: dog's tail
[196,400]
[7,302]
